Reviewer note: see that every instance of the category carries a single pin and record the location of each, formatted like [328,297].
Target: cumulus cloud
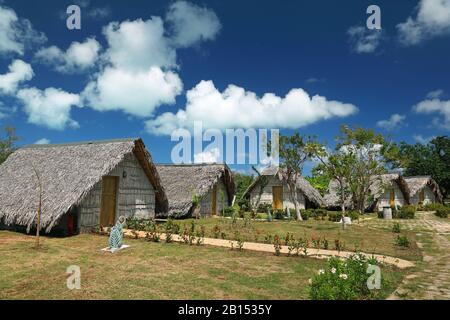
[435,106]
[19,71]
[79,57]
[42,141]
[363,40]
[191,24]
[395,121]
[140,61]
[435,94]
[237,108]
[16,34]
[210,156]
[50,107]
[135,92]
[432,19]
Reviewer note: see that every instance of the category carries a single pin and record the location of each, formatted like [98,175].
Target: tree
[431,159]
[263,181]
[241,182]
[337,165]
[293,152]
[368,150]
[320,179]
[7,144]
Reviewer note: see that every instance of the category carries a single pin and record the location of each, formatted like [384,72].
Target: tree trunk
[296,206]
[38,223]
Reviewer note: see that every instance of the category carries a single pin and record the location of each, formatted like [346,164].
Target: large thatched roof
[68,172]
[417,183]
[377,188]
[302,184]
[182,181]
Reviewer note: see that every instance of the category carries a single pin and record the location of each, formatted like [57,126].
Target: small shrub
[278,214]
[338,245]
[223,235]
[216,231]
[407,212]
[442,212]
[263,207]
[354,215]
[334,216]
[304,213]
[325,244]
[289,237]
[320,214]
[168,237]
[343,280]
[402,241]
[277,245]
[268,238]
[239,241]
[396,228]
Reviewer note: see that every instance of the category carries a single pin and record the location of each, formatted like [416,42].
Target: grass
[354,237]
[150,270]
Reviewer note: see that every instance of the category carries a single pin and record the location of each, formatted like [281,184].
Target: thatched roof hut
[377,189]
[181,182]
[310,193]
[68,173]
[416,184]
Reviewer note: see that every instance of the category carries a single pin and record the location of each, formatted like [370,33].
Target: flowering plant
[343,279]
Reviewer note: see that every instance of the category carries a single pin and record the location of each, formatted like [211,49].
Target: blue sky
[136,64]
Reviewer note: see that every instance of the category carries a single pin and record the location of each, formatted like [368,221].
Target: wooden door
[109,200]
[214,200]
[277,194]
[422,196]
[392,198]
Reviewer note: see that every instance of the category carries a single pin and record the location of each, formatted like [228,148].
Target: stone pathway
[263,247]
[430,279]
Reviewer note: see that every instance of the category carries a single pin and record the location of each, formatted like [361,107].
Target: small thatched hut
[386,190]
[276,192]
[212,183]
[391,190]
[84,185]
[423,190]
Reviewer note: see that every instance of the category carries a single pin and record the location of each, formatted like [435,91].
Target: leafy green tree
[294,152]
[431,159]
[242,182]
[319,179]
[7,143]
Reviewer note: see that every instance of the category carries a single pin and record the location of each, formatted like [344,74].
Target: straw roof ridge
[417,183]
[181,182]
[68,173]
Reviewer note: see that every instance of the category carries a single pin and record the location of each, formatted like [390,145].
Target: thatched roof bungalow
[213,183]
[388,189]
[84,185]
[276,192]
[423,190]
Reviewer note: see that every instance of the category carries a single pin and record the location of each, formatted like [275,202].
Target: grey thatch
[377,189]
[68,172]
[417,183]
[302,184]
[182,182]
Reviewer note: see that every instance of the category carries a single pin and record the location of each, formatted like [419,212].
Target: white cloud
[421,139]
[393,122]
[191,24]
[435,94]
[237,108]
[433,106]
[363,40]
[42,141]
[99,12]
[432,19]
[140,65]
[16,34]
[135,92]
[19,71]
[210,156]
[78,57]
[138,45]
[50,107]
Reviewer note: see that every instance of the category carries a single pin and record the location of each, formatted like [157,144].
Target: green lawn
[150,270]
[354,237]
